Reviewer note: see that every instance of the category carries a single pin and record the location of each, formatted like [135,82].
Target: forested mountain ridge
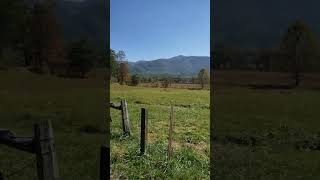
[178,65]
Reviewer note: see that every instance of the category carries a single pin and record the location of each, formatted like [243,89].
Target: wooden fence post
[104,162]
[170,150]
[45,151]
[125,117]
[144,130]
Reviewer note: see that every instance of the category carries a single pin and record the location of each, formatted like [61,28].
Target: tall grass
[190,137]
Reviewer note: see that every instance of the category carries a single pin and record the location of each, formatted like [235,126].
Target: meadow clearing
[265,133]
[77,110]
[190,136]
[259,133]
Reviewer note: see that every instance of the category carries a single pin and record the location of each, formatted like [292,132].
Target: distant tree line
[31,37]
[298,52]
[120,73]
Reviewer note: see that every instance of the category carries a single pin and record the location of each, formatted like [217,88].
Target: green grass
[266,134]
[190,137]
[260,134]
[73,105]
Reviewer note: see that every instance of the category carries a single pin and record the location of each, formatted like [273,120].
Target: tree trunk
[27,57]
[297,78]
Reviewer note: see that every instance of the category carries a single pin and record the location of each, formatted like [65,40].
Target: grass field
[76,108]
[190,137]
[259,134]
[266,134]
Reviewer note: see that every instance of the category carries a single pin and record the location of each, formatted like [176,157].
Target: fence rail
[41,144]
[123,107]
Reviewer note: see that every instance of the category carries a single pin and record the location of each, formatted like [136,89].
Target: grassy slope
[283,123]
[191,133]
[71,104]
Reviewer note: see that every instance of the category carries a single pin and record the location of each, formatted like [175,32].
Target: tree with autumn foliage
[124,72]
[46,38]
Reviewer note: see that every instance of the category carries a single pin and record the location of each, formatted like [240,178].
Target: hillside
[178,65]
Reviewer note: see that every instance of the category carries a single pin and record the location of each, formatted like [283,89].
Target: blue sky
[153,29]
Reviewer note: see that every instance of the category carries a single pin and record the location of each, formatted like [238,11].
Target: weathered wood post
[104,162]
[144,130]
[45,151]
[170,150]
[125,117]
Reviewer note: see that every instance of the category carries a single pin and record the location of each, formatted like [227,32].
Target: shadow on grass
[270,86]
[90,129]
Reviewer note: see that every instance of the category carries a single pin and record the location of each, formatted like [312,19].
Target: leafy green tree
[135,80]
[12,15]
[12,20]
[300,49]
[80,57]
[114,64]
[121,56]
[203,77]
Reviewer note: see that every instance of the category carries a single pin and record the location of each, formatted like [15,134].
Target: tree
[114,64]
[12,14]
[121,56]
[55,45]
[124,73]
[193,80]
[299,48]
[135,80]
[80,57]
[166,82]
[203,77]
[13,18]
[46,37]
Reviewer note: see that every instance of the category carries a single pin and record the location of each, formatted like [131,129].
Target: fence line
[41,144]
[170,149]
[123,107]
[144,130]
[104,162]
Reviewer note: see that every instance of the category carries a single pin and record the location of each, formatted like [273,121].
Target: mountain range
[178,65]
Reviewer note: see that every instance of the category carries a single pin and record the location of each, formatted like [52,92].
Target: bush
[165,83]
[81,59]
[135,80]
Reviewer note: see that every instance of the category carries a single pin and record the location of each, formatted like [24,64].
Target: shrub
[135,80]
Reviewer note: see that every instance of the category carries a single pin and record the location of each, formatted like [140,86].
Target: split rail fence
[43,146]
